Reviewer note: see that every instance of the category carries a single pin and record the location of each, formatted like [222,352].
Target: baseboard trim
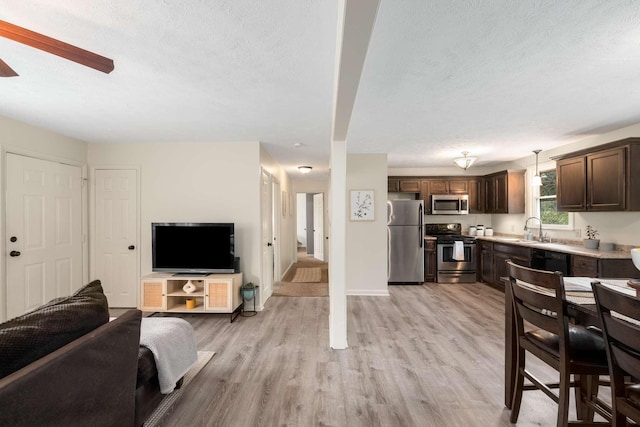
[286,270]
[367,293]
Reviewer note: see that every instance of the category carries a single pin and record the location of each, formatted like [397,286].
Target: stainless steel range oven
[456,254]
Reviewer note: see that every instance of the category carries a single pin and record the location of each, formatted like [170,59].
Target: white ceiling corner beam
[356,19]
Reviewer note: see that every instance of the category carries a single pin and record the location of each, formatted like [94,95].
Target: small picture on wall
[284,203]
[362,205]
[291,205]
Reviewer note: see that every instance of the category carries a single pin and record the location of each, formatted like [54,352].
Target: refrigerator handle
[388,253]
[420,220]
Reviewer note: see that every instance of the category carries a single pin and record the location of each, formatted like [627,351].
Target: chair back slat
[541,297]
[538,319]
[627,361]
[620,318]
[538,298]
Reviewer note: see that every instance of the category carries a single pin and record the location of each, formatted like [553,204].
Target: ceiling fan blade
[56,47]
[6,71]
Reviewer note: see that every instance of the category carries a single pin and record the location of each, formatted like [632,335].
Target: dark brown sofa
[97,378]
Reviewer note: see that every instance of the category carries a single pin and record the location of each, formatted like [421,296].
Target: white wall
[206,182]
[367,240]
[20,138]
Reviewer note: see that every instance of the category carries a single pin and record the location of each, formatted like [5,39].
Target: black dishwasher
[550,261]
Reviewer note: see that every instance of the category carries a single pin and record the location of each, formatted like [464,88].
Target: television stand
[215,293]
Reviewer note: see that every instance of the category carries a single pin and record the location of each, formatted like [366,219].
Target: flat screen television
[193,247]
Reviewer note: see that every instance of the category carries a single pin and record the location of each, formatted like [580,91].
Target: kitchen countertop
[558,247]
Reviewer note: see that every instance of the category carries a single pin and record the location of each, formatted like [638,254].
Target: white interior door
[266,287]
[318,226]
[276,202]
[44,232]
[116,235]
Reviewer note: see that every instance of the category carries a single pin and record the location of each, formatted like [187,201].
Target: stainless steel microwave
[449,204]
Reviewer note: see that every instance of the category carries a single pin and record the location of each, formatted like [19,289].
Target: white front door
[44,232]
[318,226]
[116,235]
[266,287]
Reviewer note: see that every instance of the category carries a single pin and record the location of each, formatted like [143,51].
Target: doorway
[310,225]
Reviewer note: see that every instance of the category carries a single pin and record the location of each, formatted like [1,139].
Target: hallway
[288,288]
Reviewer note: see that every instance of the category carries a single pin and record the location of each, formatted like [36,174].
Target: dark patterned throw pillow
[29,337]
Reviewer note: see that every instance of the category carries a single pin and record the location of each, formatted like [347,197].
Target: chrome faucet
[541,235]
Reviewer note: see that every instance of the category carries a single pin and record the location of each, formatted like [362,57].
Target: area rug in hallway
[167,403]
[288,289]
[307,275]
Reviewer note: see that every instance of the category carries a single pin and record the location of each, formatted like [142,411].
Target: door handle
[269,244]
[131,247]
[14,253]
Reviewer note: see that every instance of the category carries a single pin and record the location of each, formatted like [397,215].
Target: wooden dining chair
[543,330]
[620,319]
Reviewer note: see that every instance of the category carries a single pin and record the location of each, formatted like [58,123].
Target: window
[545,206]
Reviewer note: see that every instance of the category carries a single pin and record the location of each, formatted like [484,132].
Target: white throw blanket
[173,345]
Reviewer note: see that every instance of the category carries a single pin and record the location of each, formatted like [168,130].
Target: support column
[337,244]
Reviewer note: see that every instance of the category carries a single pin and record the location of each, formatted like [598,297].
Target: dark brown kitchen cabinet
[393,185]
[410,185]
[602,178]
[493,260]
[571,184]
[595,182]
[448,186]
[504,192]
[486,261]
[430,260]
[439,186]
[475,196]
[584,266]
[425,194]
[501,253]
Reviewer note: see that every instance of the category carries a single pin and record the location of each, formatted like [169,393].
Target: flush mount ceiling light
[305,169]
[536,181]
[464,162]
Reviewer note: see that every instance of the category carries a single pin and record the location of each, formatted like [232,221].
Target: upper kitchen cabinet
[601,178]
[426,186]
[504,192]
[393,185]
[475,196]
[450,186]
[403,185]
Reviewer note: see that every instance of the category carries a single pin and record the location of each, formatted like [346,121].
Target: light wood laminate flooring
[428,355]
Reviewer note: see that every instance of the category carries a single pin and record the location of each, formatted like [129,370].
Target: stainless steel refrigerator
[405,241]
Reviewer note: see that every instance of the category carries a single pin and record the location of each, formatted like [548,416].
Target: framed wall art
[362,205]
[283,203]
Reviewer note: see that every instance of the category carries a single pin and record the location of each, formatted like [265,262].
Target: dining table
[581,307]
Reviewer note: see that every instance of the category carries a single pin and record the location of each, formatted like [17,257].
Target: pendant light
[536,181]
[464,162]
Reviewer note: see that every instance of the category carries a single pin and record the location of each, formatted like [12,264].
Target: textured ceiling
[496,78]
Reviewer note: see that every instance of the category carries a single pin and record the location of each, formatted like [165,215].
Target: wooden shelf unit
[215,293]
